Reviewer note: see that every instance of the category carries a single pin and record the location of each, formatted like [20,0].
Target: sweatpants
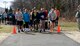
[42,23]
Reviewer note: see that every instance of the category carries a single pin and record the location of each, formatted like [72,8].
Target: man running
[19,18]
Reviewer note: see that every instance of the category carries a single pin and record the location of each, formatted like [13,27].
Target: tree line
[67,7]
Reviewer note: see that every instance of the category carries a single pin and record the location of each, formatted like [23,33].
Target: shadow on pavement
[30,33]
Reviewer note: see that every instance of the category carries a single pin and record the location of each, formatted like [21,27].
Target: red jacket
[46,13]
[57,12]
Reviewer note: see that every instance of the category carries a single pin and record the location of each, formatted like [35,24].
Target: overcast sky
[8,4]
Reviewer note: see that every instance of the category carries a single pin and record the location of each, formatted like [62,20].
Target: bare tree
[67,7]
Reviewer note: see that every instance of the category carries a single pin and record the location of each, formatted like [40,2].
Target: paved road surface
[38,39]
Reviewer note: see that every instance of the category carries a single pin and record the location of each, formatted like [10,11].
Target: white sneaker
[26,29]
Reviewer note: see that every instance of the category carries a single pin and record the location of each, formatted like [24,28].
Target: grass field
[69,26]
[5,29]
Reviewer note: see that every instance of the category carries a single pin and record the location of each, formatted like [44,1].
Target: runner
[52,17]
[31,20]
[26,18]
[42,20]
[10,14]
[13,18]
[46,19]
[78,17]
[35,19]
[19,18]
[58,15]
[5,17]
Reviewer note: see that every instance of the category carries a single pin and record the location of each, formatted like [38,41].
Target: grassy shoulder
[5,28]
[69,26]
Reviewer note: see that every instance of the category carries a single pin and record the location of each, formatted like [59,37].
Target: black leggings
[26,25]
[56,21]
[36,23]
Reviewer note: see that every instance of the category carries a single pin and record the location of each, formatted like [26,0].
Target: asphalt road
[39,39]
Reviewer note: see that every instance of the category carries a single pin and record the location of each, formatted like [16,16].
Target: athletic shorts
[53,21]
[20,23]
[31,22]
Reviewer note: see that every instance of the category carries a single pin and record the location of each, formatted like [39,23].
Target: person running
[46,18]
[35,19]
[42,20]
[5,17]
[10,14]
[52,17]
[58,15]
[78,16]
[13,18]
[26,18]
[19,19]
[31,20]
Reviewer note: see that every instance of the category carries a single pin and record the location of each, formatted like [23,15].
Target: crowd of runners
[32,20]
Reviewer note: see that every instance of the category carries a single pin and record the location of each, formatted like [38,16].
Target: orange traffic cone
[14,30]
[58,29]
